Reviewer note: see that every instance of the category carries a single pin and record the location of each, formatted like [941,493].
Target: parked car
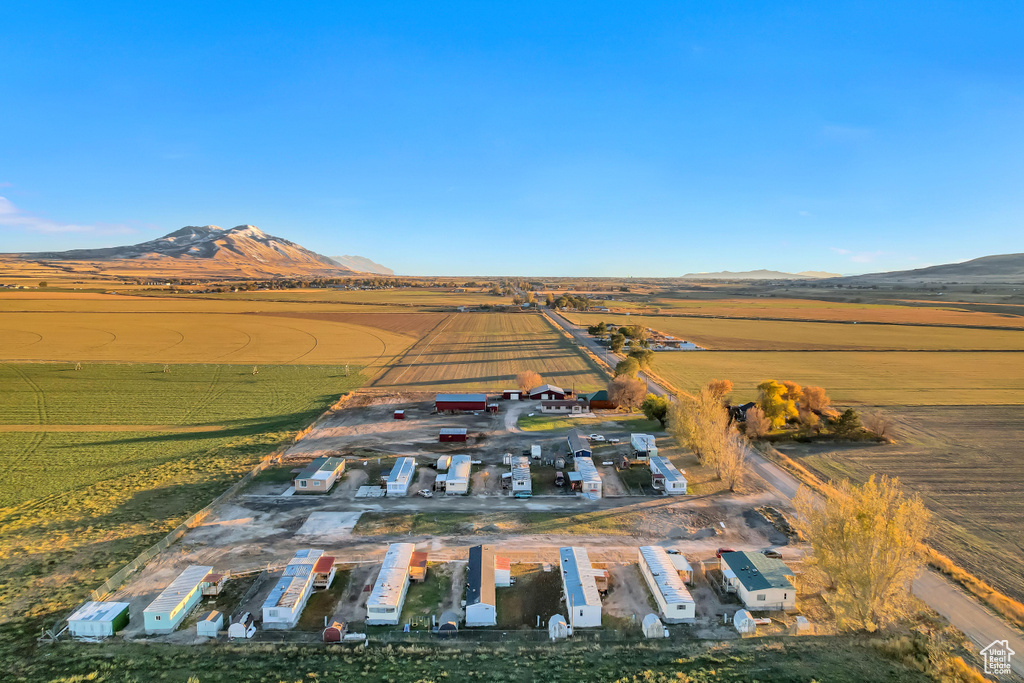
[772,553]
[426,493]
[613,439]
[596,437]
[559,478]
[723,550]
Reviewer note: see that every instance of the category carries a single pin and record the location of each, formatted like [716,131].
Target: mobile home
[319,476]
[457,481]
[98,619]
[481,607]
[579,445]
[522,484]
[582,600]
[665,476]
[643,445]
[385,604]
[591,478]
[288,598]
[401,476]
[674,601]
[175,602]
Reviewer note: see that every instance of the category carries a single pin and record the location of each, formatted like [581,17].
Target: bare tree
[528,379]
[816,400]
[868,541]
[758,424]
[879,425]
[628,392]
[732,459]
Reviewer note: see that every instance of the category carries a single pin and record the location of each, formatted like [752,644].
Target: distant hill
[759,275]
[1002,268]
[206,251]
[362,264]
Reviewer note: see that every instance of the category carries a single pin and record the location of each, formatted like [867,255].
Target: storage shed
[652,626]
[666,477]
[673,599]
[98,619]
[481,608]
[762,583]
[335,632]
[579,445]
[450,434]
[457,403]
[547,392]
[511,394]
[448,624]
[243,627]
[443,463]
[284,605]
[557,628]
[389,590]
[418,566]
[401,476]
[210,624]
[398,415]
[590,483]
[457,481]
[582,600]
[175,602]
[319,476]
[744,623]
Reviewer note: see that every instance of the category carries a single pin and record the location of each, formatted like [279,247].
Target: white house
[457,482]
[643,445]
[666,477]
[591,478]
[762,583]
[175,602]
[210,624]
[582,601]
[388,596]
[319,476]
[401,476]
[98,619]
[481,609]
[674,601]
[563,407]
[522,484]
[288,598]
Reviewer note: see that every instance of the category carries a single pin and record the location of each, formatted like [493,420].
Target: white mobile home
[591,478]
[286,601]
[98,619]
[319,476]
[582,600]
[643,445]
[457,482]
[385,604]
[169,608]
[666,477]
[481,608]
[673,599]
[401,476]
[210,624]
[762,583]
[522,484]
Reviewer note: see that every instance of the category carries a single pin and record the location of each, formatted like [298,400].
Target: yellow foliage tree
[701,423]
[868,540]
[775,404]
[528,379]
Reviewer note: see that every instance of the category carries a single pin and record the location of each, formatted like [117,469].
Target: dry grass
[1007,606]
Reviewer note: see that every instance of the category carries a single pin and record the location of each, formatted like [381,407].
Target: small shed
[449,434]
[443,463]
[335,632]
[557,628]
[210,624]
[744,622]
[492,407]
[652,627]
[803,625]
[511,394]
[399,415]
[418,566]
[323,572]
[448,624]
[243,627]
[98,619]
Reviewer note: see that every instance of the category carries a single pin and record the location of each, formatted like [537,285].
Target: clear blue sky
[584,139]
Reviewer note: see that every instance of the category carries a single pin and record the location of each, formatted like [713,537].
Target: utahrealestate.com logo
[997,658]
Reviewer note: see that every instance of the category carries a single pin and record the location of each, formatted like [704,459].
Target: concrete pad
[328,525]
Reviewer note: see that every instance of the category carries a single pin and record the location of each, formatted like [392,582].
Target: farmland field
[75,506]
[968,464]
[776,335]
[860,377]
[474,351]
[391,297]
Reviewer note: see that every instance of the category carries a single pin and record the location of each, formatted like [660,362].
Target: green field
[77,504]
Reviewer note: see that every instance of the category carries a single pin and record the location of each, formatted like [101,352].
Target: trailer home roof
[578,576]
[520,468]
[393,573]
[480,578]
[98,611]
[587,470]
[666,576]
[459,469]
[663,466]
[182,586]
[402,471]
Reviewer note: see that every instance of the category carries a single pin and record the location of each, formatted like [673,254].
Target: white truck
[535,452]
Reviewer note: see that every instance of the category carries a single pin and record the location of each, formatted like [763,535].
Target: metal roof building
[591,478]
[674,600]
[521,481]
[98,619]
[174,603]
[319,476]
[401,476]
[457,482]
[667,476]
[385,604]
[582,600]
[481,607]
[762,583]
[579,445]
[287,599]
[460,402]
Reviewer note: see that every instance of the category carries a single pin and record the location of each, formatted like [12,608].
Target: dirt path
[628,596]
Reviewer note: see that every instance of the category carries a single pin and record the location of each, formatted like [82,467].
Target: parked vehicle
[613,439]
[425,493]
[723,550]
[772,553]
[559,478]
[596,437]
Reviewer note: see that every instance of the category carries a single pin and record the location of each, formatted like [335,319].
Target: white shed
[98,619]
[457,482]
[673,599]
[388,596]
[582,601]
[444,462]
[210,624]
[652,626]
[243,627]
[557,628]
[401,476]
[744,622]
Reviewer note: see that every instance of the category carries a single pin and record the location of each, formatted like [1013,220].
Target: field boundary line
[447,321]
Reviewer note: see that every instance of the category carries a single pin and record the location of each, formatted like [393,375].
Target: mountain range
[244,251]
[759,275]
[1001,268]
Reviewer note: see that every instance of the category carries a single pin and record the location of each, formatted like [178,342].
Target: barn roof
[546,388]
[451,398]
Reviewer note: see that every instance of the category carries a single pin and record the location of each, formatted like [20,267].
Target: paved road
[962,610]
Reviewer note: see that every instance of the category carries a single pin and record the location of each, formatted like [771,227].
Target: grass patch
[324,603]
[425,598]
[536,592]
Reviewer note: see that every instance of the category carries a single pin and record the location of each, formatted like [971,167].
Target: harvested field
[474,351]
[968,464]
[414,324]
[870,378]
[776,335]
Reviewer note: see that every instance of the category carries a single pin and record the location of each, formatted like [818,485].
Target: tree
[531,298]
[848,423]
[868,541]
[656,408]
[43,283]
[627,392]
[879,425]
[643,357]
[720,388]
[598,330]
[701,423]
[528,379]
[774,404]
[628,366]
[817,401]
[550,300]
[616,342]
[757,424]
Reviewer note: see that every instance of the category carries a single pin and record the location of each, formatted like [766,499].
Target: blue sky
[523,138]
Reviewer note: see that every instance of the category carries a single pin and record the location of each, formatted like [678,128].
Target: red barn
[511,394]
[547,392]
[460,402]
[452,434]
